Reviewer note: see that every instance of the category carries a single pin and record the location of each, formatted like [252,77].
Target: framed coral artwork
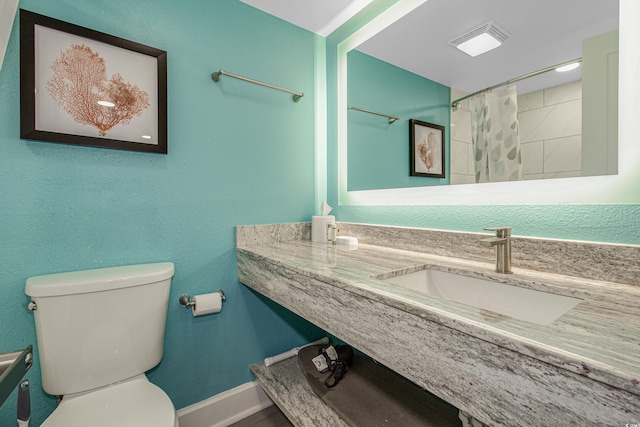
[83,87]
[427,149]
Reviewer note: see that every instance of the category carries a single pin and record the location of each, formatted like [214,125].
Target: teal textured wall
[238,154]
[378,151]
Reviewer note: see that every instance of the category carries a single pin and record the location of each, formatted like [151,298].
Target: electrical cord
[338,369]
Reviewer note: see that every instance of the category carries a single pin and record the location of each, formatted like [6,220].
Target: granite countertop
[599,338]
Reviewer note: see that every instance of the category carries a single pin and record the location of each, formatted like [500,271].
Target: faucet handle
[500,231]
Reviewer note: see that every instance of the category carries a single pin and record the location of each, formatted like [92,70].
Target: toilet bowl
[133,403]
[98,332]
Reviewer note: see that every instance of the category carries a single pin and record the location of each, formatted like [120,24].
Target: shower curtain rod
[455,104]
[218,75]
[391,118]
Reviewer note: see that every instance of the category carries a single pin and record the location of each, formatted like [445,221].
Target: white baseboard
[225,408]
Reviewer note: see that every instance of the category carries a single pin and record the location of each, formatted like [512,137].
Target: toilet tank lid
[101,279]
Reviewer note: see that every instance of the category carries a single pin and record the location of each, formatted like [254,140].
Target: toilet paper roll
[319,227]
[206,304]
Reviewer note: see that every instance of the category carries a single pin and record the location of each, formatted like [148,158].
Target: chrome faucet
[502,242]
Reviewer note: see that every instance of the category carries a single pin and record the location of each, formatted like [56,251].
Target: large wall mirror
[570,152]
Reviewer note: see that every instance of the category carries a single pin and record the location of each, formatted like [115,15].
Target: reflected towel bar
[218,75]
[455,104]
[391,118]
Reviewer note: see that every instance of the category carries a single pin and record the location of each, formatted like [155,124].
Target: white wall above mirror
[619,188]
[7,13]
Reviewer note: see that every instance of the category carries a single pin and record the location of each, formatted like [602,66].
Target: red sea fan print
[80,85]
[427,151]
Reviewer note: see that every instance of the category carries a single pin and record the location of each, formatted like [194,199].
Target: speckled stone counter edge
[249,235]
[590,260]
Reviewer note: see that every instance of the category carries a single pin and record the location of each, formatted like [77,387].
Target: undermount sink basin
[13,366]
[519,303]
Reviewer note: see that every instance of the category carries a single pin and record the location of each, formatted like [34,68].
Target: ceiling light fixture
[568,67]
[483,39]
[106,104]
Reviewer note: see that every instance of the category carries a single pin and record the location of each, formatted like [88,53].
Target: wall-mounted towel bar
[218,75]
[391,118]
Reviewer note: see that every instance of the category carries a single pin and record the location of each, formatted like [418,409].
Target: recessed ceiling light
[483,39]
[106,104]
[568,67]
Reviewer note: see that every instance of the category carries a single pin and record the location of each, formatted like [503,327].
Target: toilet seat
[133,403]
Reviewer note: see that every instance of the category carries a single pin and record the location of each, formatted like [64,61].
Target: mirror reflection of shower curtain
[494,132]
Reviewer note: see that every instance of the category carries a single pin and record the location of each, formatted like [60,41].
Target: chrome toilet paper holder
[185,299]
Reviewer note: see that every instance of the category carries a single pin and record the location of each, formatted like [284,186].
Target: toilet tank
[99,327]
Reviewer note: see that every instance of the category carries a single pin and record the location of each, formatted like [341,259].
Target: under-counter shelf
[369,395]
[286,385]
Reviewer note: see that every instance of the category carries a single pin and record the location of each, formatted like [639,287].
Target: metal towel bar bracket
[390,118]
[218,75]
[185,299]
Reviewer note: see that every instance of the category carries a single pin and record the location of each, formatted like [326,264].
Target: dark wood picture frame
[47,108]
[426,149]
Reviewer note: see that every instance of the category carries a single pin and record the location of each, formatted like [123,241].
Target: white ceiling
[318,16]
[543,33]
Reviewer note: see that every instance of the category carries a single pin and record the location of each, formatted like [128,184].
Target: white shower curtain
[494,131]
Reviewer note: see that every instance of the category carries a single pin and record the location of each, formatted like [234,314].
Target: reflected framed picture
[83,87]
[427,149]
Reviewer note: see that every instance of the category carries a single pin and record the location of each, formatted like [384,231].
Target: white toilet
[98,332]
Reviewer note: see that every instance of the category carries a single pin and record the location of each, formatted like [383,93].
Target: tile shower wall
[551,131]
[461,144]
[550,134]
